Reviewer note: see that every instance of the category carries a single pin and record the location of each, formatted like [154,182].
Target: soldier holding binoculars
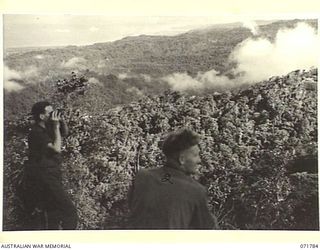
[43,183]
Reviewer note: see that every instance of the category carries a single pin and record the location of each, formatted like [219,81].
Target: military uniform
[44,180]
[167,198]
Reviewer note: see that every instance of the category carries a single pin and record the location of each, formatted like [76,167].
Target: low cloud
[258,59]
[10,80]
[73,63]
[209,79]
[10,73]
[14,78]
[12,86]
[94,81]
[252,26]
[145,77]
[39,57]
[122,76]
[182,82]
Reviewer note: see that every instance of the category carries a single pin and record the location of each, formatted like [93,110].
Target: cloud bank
[145,77]
[39,57]
[10,80]
[258,59]
[13,78]
[293,49]
[73,63]
[94,81]
[209,79]
[252,26]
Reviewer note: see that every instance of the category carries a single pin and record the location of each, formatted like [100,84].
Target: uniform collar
[175,167]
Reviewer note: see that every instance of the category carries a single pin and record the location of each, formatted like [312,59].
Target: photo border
[255,9]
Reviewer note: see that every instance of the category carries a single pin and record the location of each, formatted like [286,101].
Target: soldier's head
[182,148]
[41,111]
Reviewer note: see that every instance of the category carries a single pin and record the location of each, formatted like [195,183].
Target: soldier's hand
[55,117]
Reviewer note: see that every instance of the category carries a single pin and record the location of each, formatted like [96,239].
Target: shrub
[248,141]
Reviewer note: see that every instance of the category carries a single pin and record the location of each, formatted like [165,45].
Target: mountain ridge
[135,64]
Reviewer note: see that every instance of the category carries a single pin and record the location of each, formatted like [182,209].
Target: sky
[21,30]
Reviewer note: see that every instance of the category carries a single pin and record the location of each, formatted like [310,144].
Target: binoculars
[60,112]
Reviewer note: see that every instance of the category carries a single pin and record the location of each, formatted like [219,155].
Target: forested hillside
[258,150]
[124,70]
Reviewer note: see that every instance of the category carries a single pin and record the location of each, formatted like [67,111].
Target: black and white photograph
[160,122]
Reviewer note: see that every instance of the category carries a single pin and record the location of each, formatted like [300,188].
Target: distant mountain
[136,62]
[198,50]
[20,50]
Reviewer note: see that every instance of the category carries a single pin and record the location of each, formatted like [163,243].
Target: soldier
[44,188]
[167,197]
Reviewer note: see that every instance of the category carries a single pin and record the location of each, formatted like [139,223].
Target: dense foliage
[251,143]
[138,59]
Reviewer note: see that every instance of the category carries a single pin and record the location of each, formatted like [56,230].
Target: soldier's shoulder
[34,128]
[197,187]
[147,177]
[148,172]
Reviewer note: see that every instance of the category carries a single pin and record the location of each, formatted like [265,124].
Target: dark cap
[179,140]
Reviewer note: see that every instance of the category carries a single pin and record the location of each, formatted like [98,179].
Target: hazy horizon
[25,31]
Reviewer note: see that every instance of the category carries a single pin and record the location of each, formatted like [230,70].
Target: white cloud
[94,81]
[209,79]
[252,26]
[258,59]
[212,77]
[10,73]
[123,76]
[182,82]
[144,77]
[11,86]
[9,79]
[293,49]
[75,62]
[12,77]
[29,72]
[39,57]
